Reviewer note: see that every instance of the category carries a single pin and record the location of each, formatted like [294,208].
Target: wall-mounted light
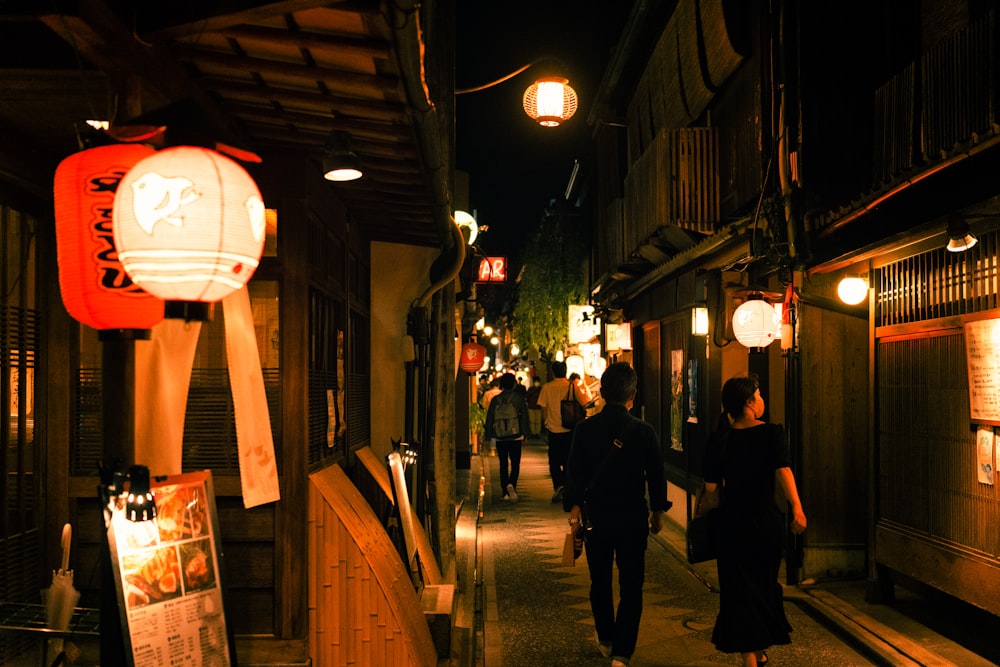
[340,164]
[515,349]
[699,321]
[468,225]
[852,290]
[755,323]
[960,238]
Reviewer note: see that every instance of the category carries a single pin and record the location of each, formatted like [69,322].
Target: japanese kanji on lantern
[189,224]
[94,286]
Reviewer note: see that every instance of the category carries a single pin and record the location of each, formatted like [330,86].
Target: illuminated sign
[492,270]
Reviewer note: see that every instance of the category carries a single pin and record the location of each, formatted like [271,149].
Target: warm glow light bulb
[852,290]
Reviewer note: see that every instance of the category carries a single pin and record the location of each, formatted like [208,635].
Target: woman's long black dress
[751,611]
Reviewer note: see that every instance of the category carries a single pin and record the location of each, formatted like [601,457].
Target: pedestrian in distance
[747,459]
[559,437]
[507,423]
[534,412]
[614,463]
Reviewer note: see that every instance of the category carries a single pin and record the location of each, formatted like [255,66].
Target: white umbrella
[62,597]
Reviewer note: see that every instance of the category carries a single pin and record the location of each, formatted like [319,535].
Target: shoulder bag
[703,527]
[570,410]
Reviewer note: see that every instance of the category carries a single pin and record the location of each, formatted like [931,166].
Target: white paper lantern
[755,323]
[189,224]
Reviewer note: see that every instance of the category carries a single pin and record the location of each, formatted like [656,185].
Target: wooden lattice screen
[939,284]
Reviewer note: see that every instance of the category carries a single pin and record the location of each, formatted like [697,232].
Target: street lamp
[549,101]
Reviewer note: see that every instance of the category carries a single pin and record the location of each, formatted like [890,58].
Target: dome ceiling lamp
[340,163]
[549,101]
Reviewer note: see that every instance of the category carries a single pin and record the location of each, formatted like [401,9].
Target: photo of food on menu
[172,555]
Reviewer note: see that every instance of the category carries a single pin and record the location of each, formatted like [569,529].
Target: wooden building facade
[270,83]
[782,147]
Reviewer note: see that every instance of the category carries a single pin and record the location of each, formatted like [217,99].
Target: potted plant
[477,423]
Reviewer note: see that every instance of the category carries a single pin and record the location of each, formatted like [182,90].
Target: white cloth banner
[162,379]
[258,467]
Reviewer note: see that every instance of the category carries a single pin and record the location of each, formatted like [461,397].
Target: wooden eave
[273,79]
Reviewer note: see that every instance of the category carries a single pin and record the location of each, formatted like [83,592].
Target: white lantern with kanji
[755,323]
[189,224]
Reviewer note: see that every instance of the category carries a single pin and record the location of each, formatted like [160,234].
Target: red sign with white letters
[492,270]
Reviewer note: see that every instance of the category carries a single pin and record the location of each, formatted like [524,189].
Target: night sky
[515,166]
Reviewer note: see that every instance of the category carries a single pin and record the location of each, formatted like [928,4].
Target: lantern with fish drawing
[95,288]
[189,226]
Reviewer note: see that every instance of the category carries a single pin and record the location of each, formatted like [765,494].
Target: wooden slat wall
[938,284]
[363,609]
[675,182]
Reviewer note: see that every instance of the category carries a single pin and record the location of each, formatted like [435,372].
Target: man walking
[614,459]
[507,424]
[559,437]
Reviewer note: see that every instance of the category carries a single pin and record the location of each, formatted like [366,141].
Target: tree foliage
[552,279]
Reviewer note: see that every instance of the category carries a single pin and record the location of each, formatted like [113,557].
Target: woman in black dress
[748,459]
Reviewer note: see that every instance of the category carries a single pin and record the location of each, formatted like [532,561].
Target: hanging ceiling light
[340,164]
[960,238]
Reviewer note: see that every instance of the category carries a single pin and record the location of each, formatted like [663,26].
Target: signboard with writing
[982,355]
[492,270]
[167,573]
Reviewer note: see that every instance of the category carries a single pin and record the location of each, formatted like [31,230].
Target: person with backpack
[507,423]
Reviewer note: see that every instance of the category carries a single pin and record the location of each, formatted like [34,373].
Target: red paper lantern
[94,286]
[189,224]
[473,357]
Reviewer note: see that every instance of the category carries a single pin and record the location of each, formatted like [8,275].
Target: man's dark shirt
[621,484]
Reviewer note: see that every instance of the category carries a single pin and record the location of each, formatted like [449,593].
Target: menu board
[982,354]
[167,574]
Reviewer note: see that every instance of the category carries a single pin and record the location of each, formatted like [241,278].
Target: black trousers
[558,456]
[621,540]
[509,452]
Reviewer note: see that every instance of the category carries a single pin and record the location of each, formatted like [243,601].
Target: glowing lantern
[189,224]
[473,357]
[94,286]
[550,101]
[755,323]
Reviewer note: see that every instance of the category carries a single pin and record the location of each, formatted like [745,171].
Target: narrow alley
[536,611]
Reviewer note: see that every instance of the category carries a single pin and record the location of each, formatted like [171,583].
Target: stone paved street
[537,611]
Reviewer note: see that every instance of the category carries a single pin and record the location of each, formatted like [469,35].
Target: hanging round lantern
[755,323]
[473,357]
[549,101]
[94,286]
[189,225]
